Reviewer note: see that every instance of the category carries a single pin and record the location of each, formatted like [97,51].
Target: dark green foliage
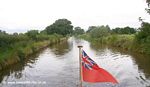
[90,28]
[125,30]
[2,32]
[8,39]
[148,9]
[43,32]
[21,55]
[143,35]
[32,34]
[126,38]
[18,46]
[99,31]
[42,37]
[78,31]
[61,26]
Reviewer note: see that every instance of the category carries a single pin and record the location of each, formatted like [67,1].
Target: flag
[91,72]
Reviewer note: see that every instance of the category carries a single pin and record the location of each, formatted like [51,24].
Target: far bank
[124,41]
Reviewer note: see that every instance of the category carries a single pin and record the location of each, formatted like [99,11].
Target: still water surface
[58,66]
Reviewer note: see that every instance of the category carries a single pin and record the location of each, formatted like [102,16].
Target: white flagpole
[80,65]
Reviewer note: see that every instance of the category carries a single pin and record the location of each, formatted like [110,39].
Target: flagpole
[80,66]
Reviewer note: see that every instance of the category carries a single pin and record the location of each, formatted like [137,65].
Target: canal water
[58,66]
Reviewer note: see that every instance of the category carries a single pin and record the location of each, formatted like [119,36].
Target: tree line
[64,27]
[18,46]
[61,27]
[102,31]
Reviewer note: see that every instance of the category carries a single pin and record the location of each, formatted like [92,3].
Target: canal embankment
[125,41]
[24,49]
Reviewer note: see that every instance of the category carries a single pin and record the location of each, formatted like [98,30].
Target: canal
[58,66]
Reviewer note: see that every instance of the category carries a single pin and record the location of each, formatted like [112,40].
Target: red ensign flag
[91,72]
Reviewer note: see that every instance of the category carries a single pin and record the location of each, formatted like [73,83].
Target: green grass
[123,41]
[5,54]
[21,50]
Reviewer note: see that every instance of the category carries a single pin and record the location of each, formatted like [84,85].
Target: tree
[148,9]
[78,31]
[32,34]
[144,33]
[61,26]
[90,28]
[2,32]
[99,31]
[125,30]
[15,34]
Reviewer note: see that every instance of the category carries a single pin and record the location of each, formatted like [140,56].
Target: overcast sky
[23,15]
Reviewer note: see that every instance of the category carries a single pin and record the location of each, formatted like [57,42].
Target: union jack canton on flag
[91,72]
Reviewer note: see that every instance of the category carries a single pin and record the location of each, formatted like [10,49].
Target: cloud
[37,14]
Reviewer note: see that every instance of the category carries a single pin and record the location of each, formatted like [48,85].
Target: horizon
[21,16]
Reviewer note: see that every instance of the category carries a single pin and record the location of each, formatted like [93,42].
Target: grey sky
[23,15]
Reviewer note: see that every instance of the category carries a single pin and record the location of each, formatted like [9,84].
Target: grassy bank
[123,41]
[16,47]
[23,49]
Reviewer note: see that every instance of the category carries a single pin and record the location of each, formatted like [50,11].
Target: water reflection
[97,46]
[58,66]
[27,70]
[140,63]
[62,47]
[143,62]
[16,69]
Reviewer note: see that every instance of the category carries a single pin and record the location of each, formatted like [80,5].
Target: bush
[99,32]
[21,54]
[125,30]
[144,34]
